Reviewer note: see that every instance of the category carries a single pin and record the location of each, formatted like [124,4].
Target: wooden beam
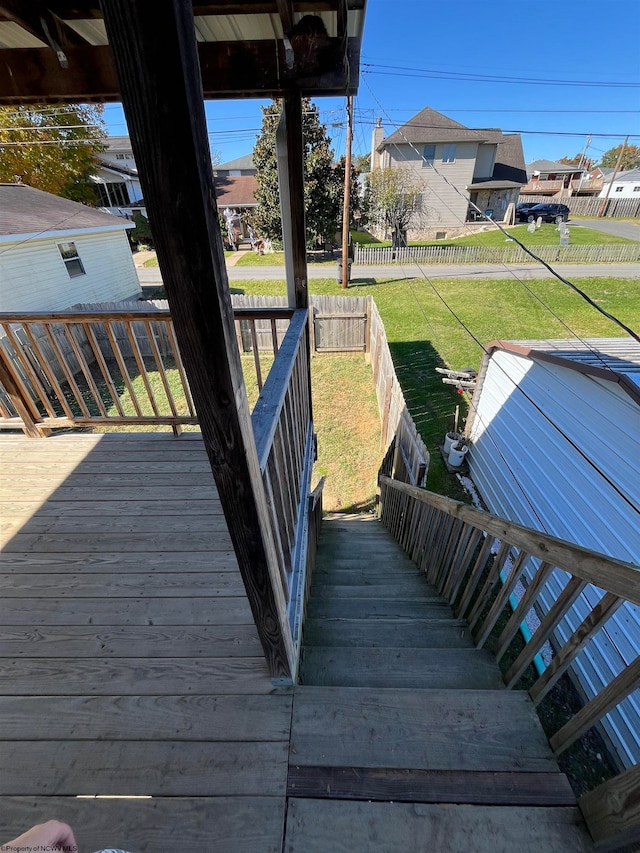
[70,9]
[229,70]
[290,150]
[285,11]
[41,23]
[162,98]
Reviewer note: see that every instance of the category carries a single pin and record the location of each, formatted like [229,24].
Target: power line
[511,236]
[400,71]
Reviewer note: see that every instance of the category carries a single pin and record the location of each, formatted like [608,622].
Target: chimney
[376,138]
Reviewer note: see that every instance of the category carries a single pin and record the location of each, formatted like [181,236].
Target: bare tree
[395,200]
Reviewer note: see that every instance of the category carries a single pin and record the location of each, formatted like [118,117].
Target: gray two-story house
[456,165]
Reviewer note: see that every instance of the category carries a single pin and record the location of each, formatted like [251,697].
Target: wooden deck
[135,703]
[129,662]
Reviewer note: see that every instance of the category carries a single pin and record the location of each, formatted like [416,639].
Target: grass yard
[546,235]
[273,259]
[424,335]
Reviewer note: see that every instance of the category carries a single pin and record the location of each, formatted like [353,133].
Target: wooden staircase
[403,735]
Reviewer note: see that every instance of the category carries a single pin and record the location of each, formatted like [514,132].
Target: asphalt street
[362,274]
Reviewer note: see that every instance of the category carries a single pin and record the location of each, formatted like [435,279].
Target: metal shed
[555,444]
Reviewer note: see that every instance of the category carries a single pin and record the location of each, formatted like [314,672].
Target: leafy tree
[52,148]
[395,198]
[322,188]
[630,158]
[578,160]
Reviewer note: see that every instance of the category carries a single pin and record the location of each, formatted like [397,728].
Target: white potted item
[450,439]
[457,453]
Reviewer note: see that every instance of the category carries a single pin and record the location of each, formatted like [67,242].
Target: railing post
[24,406]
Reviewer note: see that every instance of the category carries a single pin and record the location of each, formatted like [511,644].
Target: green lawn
[272,259]
[424,335]
[546,235]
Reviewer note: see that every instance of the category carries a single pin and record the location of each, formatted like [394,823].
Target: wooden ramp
[403,736]
[129,663]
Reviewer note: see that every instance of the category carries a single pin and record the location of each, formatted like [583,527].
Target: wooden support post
[25,408]
[612,812]
[346,200]
[161,89]
[290,152]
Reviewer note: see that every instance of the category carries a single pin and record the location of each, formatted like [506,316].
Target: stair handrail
[453,543]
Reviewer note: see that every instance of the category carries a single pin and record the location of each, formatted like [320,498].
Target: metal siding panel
[577,416]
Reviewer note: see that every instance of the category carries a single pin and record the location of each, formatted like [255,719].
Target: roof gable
[431,126]
[25,210]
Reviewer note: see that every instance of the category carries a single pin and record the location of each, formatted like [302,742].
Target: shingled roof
[236,191]
[27,211]
[509,169]
[431,126]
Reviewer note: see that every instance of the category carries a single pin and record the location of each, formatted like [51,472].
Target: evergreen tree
[52,148]
[322,187]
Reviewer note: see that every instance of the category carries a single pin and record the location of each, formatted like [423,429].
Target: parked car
[548,213]
[524,208]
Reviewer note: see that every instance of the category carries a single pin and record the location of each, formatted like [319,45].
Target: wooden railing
[475,560]
[283,429]
[94,368]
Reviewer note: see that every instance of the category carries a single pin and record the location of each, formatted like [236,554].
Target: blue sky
[419,53]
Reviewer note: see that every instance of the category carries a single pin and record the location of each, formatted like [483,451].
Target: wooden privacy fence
[463,552]
[283,431]
[508,254]
[337,324]
[410,459]
[616,208]
[102,367]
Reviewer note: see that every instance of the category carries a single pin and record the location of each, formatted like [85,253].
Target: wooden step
[456,669]
[396,633]
[355,574]
[410,588]
[418,729]
[317,826]
[387,608]
[472,787]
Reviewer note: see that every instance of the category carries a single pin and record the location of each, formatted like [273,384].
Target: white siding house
[555,445]
[55,253]
[625,185]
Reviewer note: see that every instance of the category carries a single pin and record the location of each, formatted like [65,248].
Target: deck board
[159,825]
[316,826]
[129,660]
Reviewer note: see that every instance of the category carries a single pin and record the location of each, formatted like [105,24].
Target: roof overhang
[495,185]
[58,52]
[625,383]
[66,235]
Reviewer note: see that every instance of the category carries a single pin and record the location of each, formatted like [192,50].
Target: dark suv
[548,212]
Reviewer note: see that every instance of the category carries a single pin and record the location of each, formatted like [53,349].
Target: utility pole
[613,177]
[347,192]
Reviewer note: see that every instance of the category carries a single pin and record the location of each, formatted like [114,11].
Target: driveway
[609,226]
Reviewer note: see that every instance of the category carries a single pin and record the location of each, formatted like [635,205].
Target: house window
[428,155]
[71,258]
[619,189]
[449,153]
[120,157]
[112,195]
[637,189]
